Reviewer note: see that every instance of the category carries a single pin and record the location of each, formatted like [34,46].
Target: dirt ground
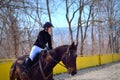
[109,71]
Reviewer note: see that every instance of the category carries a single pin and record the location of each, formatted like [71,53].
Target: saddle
[36,60]
[40,56]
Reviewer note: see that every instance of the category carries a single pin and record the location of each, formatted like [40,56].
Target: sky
[58,16]
[58,13]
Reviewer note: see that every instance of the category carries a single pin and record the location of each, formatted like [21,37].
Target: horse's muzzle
[73,73]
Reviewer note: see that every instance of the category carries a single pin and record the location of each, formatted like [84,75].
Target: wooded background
[99,19]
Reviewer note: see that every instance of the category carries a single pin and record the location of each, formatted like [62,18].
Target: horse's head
[69,58]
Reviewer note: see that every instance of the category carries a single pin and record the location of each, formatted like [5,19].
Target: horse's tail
[12,71]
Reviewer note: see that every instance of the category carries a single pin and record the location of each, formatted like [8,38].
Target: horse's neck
[59,52]
[56,55]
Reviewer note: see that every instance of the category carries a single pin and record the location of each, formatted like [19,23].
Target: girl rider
[40,43]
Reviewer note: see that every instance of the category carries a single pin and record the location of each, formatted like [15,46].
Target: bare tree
[92,29]
[21,20]
[12,18]
[112,13]
[48,10]
[69,20]
[11,29]
[86,25]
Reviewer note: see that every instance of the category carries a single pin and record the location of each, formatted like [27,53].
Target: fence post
[99,59]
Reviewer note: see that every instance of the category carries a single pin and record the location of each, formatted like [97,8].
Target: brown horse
[43,68]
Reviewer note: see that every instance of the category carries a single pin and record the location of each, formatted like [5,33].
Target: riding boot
[27,64]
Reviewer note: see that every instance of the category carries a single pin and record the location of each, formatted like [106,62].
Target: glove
[46,48]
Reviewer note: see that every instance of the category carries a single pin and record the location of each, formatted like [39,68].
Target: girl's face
[50,30]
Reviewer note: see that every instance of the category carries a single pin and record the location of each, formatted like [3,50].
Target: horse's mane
[58,51]
[61,47]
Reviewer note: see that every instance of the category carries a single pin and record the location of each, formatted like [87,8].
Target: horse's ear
[72,45]
[76,43]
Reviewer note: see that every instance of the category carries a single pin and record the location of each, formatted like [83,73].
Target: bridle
[66,57]
[66,53]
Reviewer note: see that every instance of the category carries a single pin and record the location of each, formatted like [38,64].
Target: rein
[41,69]
[59,62]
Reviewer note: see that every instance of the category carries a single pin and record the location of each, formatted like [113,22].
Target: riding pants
[34,51]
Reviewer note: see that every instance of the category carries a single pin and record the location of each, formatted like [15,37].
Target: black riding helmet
[47,25]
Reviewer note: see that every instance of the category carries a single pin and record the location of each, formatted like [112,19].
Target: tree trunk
[48,10]
[83,36]
[92,31]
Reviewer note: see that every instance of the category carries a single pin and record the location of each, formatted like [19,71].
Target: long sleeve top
[42,39]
